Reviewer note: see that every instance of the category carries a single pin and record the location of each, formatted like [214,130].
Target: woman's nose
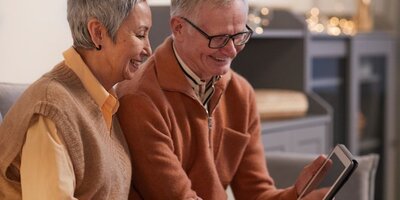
[147,48]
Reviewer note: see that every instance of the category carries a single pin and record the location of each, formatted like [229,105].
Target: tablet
[333,173]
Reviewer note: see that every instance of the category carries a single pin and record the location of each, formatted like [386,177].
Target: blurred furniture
[285,168]
[350,78]
[276,59]
[355,75]
[275,104]
[9,93]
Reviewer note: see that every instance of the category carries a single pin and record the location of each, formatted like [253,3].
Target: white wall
[34,33]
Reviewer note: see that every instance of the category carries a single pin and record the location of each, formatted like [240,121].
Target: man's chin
[222,71]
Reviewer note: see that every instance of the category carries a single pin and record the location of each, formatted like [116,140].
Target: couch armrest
[285,167]
[9,93]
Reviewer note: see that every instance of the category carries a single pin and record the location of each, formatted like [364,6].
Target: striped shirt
[204,90]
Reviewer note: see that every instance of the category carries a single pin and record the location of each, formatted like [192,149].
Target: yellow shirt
[46,168]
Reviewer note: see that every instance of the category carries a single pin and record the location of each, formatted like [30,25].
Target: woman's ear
[96,31]
[176,24]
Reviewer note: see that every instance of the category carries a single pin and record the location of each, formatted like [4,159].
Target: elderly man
[191,123]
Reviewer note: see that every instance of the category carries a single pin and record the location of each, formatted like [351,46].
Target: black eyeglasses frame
[250,33]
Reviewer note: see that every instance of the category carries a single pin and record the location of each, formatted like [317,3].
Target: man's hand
[317,194]
[306,175]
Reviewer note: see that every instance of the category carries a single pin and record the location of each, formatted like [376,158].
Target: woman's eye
[141,36]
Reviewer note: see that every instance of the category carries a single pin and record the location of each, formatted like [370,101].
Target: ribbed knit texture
[100,159]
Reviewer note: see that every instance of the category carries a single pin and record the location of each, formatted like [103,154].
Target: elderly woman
[59,141]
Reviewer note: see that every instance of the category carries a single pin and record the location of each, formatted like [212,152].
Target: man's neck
[95,66]
[181,59]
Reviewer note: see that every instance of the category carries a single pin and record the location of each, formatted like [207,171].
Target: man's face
[202,60]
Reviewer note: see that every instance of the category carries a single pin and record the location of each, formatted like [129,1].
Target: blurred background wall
[33,34]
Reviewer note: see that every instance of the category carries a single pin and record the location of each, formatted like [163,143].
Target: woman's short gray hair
[110,13]
[186,7]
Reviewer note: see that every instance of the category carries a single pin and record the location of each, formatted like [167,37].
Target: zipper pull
[209,131]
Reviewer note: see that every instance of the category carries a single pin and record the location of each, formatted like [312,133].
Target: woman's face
[132,44]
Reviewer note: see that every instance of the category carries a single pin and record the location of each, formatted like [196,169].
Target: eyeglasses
[219,41]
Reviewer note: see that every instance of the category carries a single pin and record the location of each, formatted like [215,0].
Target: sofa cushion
[285,168]
[362,183]
[9,93]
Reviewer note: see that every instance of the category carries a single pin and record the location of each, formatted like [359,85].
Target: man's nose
[229,49]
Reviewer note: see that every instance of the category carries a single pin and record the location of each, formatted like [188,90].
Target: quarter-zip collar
[167,66]
[204,90]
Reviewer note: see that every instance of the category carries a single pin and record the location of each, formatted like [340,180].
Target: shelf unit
[355,76]
[276,59]
[308,134]
[373,84]
[328,76]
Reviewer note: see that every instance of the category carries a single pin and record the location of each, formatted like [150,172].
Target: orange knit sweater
[179,150]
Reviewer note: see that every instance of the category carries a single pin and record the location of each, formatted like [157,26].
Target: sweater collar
[106,101]
[171,76]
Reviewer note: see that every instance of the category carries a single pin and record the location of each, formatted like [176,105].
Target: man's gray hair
[110,13]
[186,7]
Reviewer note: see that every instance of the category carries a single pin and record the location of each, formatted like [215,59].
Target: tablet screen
[333,172]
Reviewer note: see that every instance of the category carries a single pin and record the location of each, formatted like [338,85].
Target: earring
[98,48]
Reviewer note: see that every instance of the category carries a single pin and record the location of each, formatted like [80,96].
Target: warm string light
[314,22]
[259,18]
[335,26]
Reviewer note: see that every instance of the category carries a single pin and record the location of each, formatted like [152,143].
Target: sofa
[9,92]
[283,167]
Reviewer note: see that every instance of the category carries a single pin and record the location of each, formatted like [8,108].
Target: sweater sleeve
[252,179]
[46,169]
[157,172]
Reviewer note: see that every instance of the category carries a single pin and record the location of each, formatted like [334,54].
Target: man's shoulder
[238,82]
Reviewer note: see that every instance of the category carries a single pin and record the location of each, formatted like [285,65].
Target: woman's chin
[129,72]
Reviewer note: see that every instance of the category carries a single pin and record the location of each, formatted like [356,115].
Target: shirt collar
[193,79]
[188,72]
[104,99]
